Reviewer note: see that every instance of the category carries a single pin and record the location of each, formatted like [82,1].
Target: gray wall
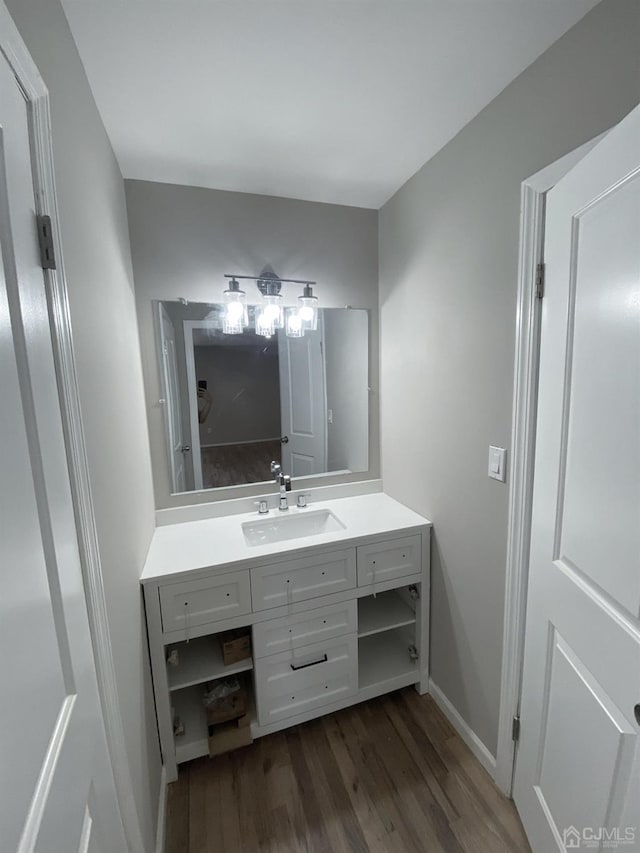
[183,240]
[346,338]
[244,383]
[93,222]
[448,264]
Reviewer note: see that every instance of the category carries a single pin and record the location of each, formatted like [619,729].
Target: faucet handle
[302,500]
[263,506]
[276,469]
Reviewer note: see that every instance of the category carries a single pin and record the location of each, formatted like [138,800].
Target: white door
[303,403]
[56,789]
[173,419]
[577,780]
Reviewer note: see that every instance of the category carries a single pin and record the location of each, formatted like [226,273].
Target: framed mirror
[233,403]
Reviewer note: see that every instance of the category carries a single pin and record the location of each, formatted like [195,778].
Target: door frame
[188,327]
[158,319]
[523,434]
[36,95]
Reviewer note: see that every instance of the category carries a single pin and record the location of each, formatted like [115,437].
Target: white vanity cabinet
[331,625]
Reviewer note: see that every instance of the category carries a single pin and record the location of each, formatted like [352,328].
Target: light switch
[497,463]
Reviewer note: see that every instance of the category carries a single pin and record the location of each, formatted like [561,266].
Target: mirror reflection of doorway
[237,386]
[234,403]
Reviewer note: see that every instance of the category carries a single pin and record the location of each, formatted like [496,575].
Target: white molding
[37,96]
[465,731]
[521,475]
[162,813]
[188,327]
[523,429]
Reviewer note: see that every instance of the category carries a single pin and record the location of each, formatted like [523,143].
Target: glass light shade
[271,309]
[264,325]
[236,314]
[308,311]
[293,323]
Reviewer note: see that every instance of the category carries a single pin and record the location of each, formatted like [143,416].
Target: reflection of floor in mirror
[235,464]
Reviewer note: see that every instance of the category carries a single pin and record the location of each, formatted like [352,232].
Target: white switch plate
[497,463]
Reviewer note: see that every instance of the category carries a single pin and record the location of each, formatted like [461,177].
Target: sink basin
[294,526]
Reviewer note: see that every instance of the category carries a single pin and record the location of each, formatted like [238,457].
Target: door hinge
[515,729]
[540,269]
[45,237]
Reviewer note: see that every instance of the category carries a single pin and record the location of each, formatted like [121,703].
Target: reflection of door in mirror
[310,391]
[236,435]
[173,420]
[303,401]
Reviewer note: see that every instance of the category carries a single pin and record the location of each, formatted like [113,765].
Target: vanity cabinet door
[396,558]
[297,580]
[209,599]
[293,683]
[302,629]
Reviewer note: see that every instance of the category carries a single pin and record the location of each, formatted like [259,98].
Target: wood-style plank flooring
[386,775]
[236,464]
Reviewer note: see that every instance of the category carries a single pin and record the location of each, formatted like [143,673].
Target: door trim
[188,327]
[523,433]
[37,96]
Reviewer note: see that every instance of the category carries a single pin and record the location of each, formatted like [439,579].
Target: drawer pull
[323,659]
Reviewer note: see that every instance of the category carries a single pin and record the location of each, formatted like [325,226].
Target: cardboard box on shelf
[236,645]
[228,736]
[228,707]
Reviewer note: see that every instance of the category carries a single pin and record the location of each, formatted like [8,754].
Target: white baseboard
[467,734]
[162,813]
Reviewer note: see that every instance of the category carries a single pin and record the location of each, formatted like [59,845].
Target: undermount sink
[294,526]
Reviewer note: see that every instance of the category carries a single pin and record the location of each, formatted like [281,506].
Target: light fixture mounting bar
[266,278]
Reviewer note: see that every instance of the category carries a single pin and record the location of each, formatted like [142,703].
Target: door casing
[523,428]
[36,94]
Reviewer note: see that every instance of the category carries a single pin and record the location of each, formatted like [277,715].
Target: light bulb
[293,323]
[235,310]
[264,326]
[306,313]
[271,313]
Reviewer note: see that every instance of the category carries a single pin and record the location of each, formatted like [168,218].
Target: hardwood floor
[236,464]
[386,775]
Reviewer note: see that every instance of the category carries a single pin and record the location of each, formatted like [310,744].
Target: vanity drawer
[384,561]
[297,580]
[292,683]
[210,599]
[300,629]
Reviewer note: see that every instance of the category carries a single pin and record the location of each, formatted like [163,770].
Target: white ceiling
[328,100]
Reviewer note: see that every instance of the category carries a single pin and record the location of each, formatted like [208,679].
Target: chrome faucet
[284,481]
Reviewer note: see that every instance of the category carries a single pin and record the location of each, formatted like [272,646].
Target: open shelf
[193,715]
[200,661]
[382,613]
[384,658]
[188,706]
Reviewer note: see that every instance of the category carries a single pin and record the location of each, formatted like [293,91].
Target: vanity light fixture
[308,309]
[236,315]
[293,323]
[270,315]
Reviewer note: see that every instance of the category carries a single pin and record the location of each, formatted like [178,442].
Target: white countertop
[215,542]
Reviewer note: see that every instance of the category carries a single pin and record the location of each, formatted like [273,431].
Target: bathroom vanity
[335,594]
